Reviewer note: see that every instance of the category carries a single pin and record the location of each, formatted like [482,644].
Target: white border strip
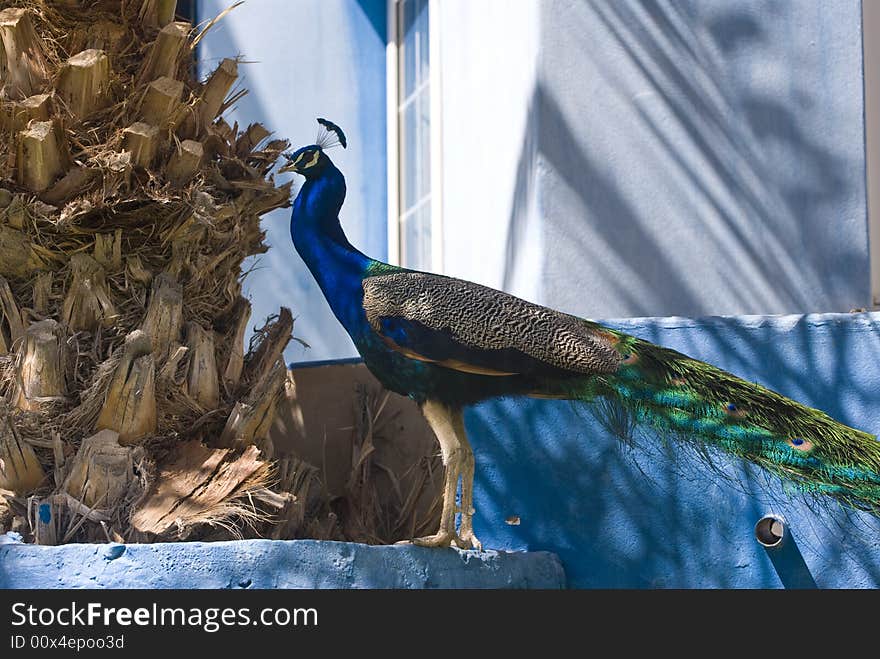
[392,136]
[435,77]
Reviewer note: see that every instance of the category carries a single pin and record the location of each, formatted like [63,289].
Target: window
[414,217]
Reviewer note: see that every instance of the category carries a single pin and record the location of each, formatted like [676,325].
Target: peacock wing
[476,329]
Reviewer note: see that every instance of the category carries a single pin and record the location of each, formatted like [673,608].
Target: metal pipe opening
[770,531]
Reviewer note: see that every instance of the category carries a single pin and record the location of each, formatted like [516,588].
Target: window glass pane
[408,47]
[410,157]
[421,23]
[425,240]
[414,126]
[424,149]
[416,235]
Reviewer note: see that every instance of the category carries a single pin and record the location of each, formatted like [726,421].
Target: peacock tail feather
[709,408]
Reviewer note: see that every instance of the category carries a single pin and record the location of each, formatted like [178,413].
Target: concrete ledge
[272,564]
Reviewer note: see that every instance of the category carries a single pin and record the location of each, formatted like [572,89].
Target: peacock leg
[442,420]
[467,539]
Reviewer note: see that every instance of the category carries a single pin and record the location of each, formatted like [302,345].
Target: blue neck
[337,266]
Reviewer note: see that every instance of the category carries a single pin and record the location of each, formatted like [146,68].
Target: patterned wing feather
[477,329]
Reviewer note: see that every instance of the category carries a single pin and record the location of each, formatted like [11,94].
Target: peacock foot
[467,540]
[441,539]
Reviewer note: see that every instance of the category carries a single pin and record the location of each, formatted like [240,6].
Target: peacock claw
[442,539]
[467,540]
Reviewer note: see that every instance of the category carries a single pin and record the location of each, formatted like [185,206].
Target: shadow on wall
[657,516]
[687,130]
[376,11]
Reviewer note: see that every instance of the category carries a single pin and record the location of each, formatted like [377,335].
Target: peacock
[448,343]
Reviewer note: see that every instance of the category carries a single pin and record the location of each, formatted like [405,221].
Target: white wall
[658,158]
[489,63]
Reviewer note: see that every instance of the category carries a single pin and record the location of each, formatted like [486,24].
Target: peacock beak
[289,167]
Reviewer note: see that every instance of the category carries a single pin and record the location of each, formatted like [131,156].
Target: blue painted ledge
[271,564]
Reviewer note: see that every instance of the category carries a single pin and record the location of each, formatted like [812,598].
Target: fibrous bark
[18,256]
[20,469]
[251,139]
[164,317]
[16,115]
[40,366]
[211,98]
[252,417]
[156,13]
[261,363]
[108,250]
[23,66]
[84,83]
[87,305]
[142,141]
[202,380]
[102,471]
[76,181]
[161,101]
[200,485]
[130,405]
[40,158]
[235,361]
[11,321]
[185,161]
[42,292]
[166,52]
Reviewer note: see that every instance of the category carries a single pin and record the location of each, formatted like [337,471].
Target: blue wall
[657,517]
[308,59]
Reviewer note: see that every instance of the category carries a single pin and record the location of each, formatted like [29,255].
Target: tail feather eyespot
[800,444]
[629,358]
[734,410]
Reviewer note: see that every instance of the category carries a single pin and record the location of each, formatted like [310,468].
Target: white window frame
[393,139]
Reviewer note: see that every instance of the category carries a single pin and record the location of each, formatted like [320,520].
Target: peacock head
[310,160]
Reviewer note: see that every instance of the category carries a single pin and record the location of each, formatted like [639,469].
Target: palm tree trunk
[127,205]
